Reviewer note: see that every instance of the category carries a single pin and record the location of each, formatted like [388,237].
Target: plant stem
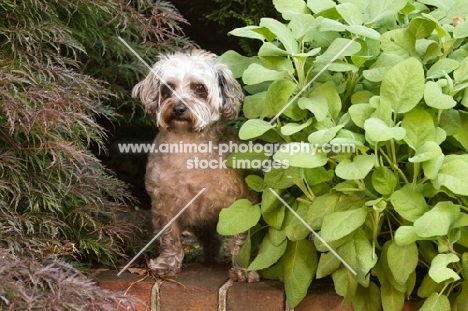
[375,232]
[394,166]
[392,146]
[362,187]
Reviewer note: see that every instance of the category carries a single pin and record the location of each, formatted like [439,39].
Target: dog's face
[190,91]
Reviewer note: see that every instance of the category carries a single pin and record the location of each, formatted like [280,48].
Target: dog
[193,96]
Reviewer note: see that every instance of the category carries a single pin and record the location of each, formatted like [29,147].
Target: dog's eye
[200,89]
[166,90]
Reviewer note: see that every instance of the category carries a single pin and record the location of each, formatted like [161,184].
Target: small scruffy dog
[192,96]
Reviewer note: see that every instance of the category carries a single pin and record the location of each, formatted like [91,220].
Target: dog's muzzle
[179,110]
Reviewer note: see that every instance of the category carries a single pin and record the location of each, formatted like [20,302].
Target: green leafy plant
[390,79]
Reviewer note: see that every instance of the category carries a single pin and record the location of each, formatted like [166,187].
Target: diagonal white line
[312,81]
[161,231]
[315,233]
[156,75]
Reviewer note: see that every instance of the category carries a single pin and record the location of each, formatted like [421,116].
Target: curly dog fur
[192,96]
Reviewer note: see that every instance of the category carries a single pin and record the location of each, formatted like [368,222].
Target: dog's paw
[238,274]
[161,268]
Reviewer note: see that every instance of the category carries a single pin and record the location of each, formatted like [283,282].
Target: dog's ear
[147,90]
[231,92]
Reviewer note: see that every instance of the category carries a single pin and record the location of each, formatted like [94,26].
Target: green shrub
[390,78]
[28,284]
[236,13]
[62,67]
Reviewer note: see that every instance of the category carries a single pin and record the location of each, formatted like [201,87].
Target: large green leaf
[439,271]
[295,228]
[453,174]
[384,180]
[379,11]
[292,128]
[255,182]
[421,27]
[359,255]
[301,155]
[429,150]
[403,85]
[270,49]
[441,68]
[436,302]
[282,178]
[406,235]
[318,106]
[318,175]
[428,286]
[256,74]
[290,8]
[360,113]
[431,168]
[454,123]
[377,130]
[392,299]
[435,98]
[321,137]
[339,48]
[461,73]
[383,271]
[273,211]
[253,32]
[278,96]
[350,13]
[363,31]
[236,62]
[356,169]
[299,264]
[402,260]
[254,105]
[367,298]
[248,161]
[238,218]
[419,127]
[437,221]
[300,24]
[320,207]
[400,42]
[327,264]
[327,92]
[345,284]
[318,6]
[283,34]
[243,257]
[462,299]
[384,63]
[339,224]
[268,254]
[408,203]
[254,128]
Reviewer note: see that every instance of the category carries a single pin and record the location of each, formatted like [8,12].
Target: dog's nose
[179,109]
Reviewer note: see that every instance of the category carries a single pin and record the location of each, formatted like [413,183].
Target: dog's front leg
[171,254]
[238,273]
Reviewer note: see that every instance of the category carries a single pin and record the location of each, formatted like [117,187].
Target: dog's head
[190,91]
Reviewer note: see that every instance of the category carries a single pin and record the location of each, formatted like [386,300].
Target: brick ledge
[199,287]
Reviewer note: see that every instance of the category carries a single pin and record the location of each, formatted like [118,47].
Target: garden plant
[390,78]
